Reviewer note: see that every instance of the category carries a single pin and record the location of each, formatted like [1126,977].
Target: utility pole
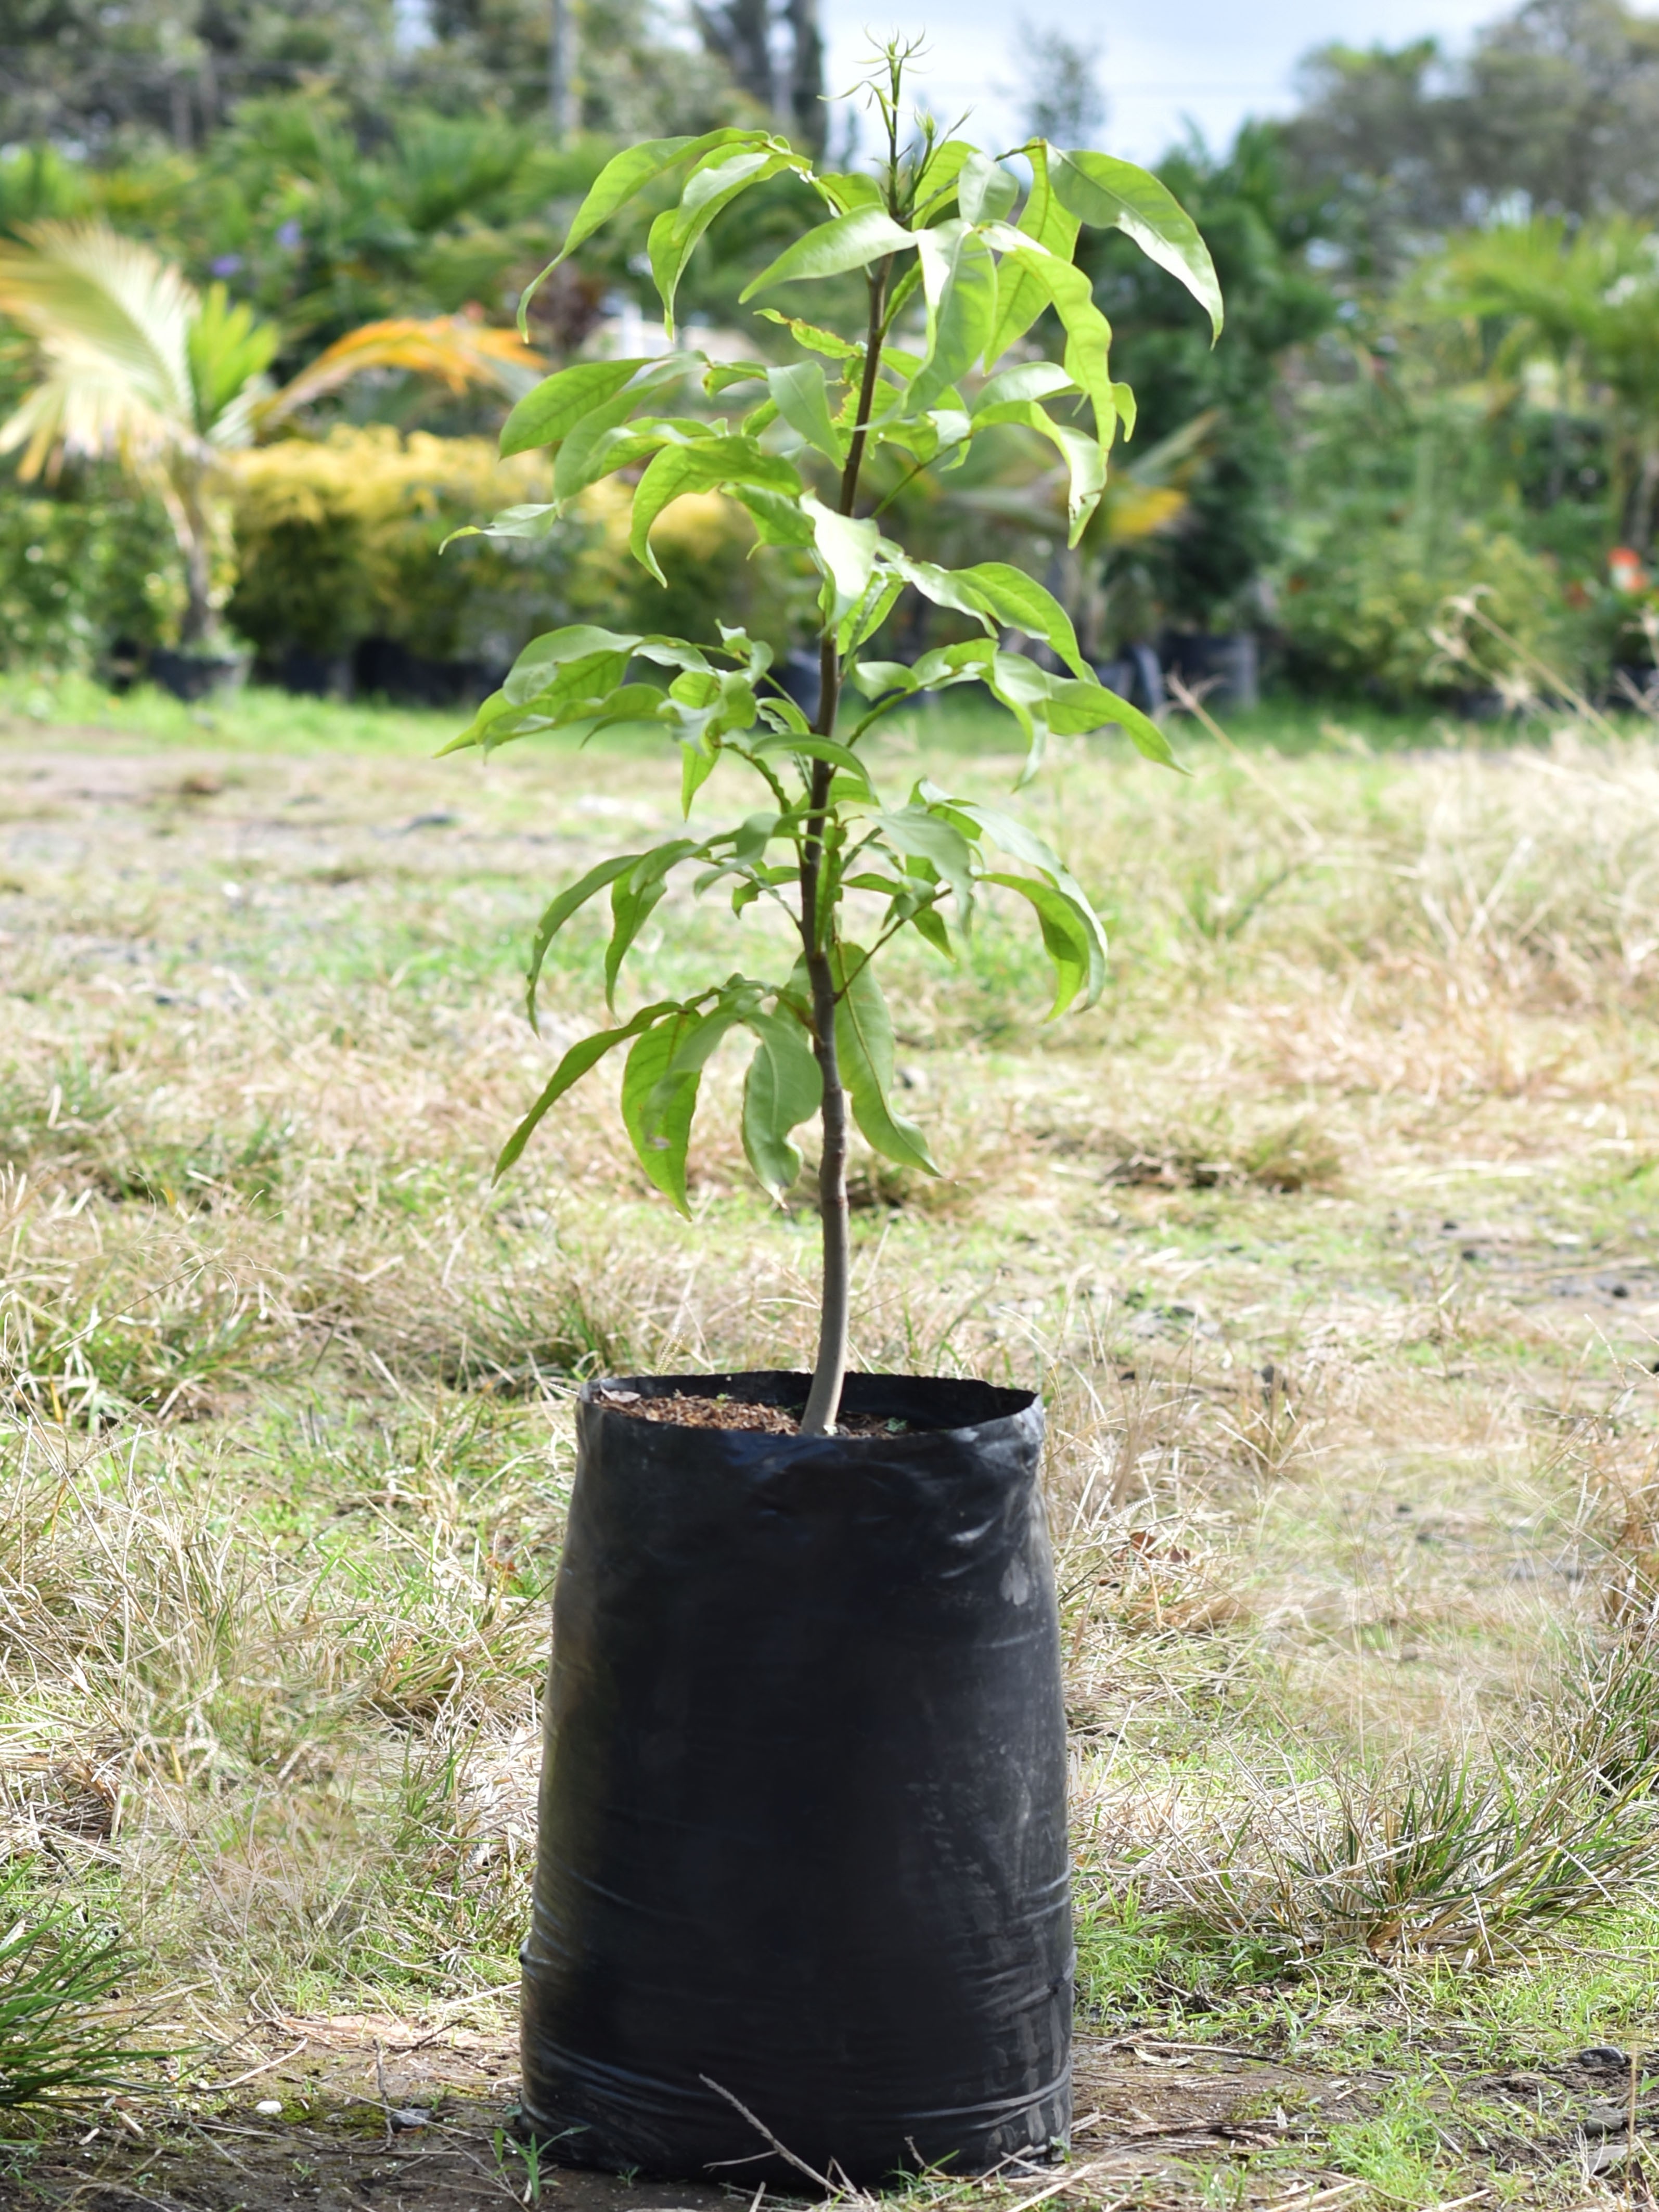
[562,70]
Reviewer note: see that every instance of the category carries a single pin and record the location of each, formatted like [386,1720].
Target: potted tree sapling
[801,1900]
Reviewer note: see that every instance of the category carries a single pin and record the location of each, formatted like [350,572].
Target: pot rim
[998,1402]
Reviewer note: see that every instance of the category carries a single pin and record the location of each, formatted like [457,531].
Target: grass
[1330,1237]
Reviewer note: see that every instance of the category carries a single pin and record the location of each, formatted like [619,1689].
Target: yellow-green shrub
[337,539]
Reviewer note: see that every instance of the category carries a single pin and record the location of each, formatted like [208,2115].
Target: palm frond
[451,349]
[113,321]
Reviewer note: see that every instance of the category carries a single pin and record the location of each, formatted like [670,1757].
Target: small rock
[410,2116]
[269,2108]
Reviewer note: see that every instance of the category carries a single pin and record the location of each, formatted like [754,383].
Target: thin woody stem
[817,937]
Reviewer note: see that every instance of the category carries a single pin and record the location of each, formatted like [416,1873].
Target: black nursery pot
[803,1805]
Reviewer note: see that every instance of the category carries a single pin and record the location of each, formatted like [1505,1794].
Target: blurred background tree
[1440,371]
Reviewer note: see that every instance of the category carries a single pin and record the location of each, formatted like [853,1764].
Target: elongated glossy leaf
[919,833]
[625,176]
[1019,602]
[553,409]
[847,550]
[1075,949]
[985,191]
[1088,333]
[700,466]
[632,896]
[938,180]
[804,403]
[816,748]
[863,1046]
[1085,463]
[875,678]
[880,597]
[601,440]
[1020,298]
[711,188]
[847,241]
[1013,836]
[959,282]
[782,1088]
[571,1069]
[1109,194]
[811,336]
[536,667]
[658,1113]
[567,904]
[1026,379]
[846,189]
[778,520]
[532,522]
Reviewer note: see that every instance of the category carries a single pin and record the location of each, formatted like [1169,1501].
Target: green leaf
[1019,602]
[782,1088]
[553,408]
[632,896]
[1076,950]
[698,760]
[804,403]
[1088,333]
[959,282]
[985,191]
[701,466]
[657,1113]
[847,241]
[844,189]
[816,748]
[571,1069]
[1112,195]
[1085,461]
[919,833]
[929,925]
[876,678]
[1020,298]
[809,336]
[863,1046]
[846,549]
[603,441]
[495,708]
[778,520]
[554,919]
[622,179]
[531,522]
[711,188]
[1026,379]
[880,597]
[937,185]
[544,656]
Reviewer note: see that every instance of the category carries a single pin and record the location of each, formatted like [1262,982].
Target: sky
[1161,61]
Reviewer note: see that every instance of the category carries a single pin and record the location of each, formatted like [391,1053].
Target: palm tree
[138,366]
[1586,299]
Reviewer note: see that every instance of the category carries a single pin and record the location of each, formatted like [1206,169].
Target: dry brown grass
[1328,1236]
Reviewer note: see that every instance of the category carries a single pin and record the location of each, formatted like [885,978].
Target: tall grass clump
[58,2035]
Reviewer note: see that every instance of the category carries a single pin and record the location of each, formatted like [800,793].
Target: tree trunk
[806,107]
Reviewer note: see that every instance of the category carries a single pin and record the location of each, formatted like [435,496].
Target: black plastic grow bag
[803,1808]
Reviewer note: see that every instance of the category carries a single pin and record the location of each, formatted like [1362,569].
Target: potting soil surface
[689,1413]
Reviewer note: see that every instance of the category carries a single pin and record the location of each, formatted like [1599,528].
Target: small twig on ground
[782,2149]
[253,2072]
